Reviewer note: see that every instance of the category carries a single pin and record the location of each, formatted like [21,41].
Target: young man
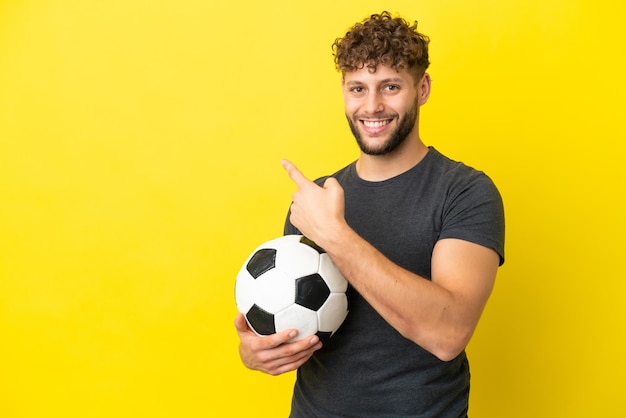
[418,236]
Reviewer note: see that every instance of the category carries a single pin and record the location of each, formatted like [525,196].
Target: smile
[373,124]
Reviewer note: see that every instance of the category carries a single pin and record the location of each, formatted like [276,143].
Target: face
[382,107]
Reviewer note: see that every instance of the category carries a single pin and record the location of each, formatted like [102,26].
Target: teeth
[375,124]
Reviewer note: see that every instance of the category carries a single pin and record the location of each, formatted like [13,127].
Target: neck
[383,167]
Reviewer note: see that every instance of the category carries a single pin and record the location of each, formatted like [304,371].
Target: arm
[439,314]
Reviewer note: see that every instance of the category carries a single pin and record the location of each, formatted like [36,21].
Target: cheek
[350,108]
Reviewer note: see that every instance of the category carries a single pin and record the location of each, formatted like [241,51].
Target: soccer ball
[289,282]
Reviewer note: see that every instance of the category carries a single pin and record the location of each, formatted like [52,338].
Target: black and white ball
[289,282]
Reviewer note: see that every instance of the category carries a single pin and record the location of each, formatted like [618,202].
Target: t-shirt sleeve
[289,228]
[475,212]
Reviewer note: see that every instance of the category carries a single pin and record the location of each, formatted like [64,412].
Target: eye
[391,87]
[356,89]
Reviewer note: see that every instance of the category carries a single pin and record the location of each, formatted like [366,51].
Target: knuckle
[289,350]
[263,357]
[253,344]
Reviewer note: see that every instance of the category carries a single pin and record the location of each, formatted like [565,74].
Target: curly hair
[383,39]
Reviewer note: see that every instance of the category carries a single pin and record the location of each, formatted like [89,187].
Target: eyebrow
[383,81]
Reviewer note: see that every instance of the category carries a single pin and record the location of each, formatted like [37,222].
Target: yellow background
[139,165]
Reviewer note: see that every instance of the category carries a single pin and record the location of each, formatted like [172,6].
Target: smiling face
[382,107]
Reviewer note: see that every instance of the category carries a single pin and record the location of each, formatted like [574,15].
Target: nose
[374,103]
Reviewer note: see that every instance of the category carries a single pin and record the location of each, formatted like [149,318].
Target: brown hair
[383,39]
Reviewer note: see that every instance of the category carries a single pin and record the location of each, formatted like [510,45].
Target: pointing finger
[295,174]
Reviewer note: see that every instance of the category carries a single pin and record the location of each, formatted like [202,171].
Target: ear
[423,89]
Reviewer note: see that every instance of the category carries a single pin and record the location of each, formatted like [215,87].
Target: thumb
[331,184]
[240,323]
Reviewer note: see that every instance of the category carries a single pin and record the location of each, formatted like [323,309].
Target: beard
[406,124]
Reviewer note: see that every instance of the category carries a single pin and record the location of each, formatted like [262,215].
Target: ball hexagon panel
[244,291]
[274,290]
[299,317]
[335,280]
[332,314]
[294,258]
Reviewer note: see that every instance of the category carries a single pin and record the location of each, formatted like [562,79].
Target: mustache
[358,116]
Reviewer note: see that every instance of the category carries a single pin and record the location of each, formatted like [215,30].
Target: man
[418,236]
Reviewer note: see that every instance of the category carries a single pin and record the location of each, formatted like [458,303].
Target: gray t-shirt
[367,369]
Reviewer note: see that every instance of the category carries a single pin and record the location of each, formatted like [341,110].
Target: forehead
[382,73]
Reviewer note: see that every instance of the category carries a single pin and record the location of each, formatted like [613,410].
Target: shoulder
[458,177]
[341,175]
[450,167]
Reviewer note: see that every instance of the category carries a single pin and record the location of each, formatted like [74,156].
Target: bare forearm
[421,310]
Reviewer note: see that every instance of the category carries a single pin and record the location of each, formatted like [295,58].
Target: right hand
[273,354]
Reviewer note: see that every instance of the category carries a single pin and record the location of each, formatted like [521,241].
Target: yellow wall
[139,165]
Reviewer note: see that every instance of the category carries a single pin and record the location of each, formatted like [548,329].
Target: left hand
[316,211]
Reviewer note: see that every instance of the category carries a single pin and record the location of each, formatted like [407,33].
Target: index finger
[295,174]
